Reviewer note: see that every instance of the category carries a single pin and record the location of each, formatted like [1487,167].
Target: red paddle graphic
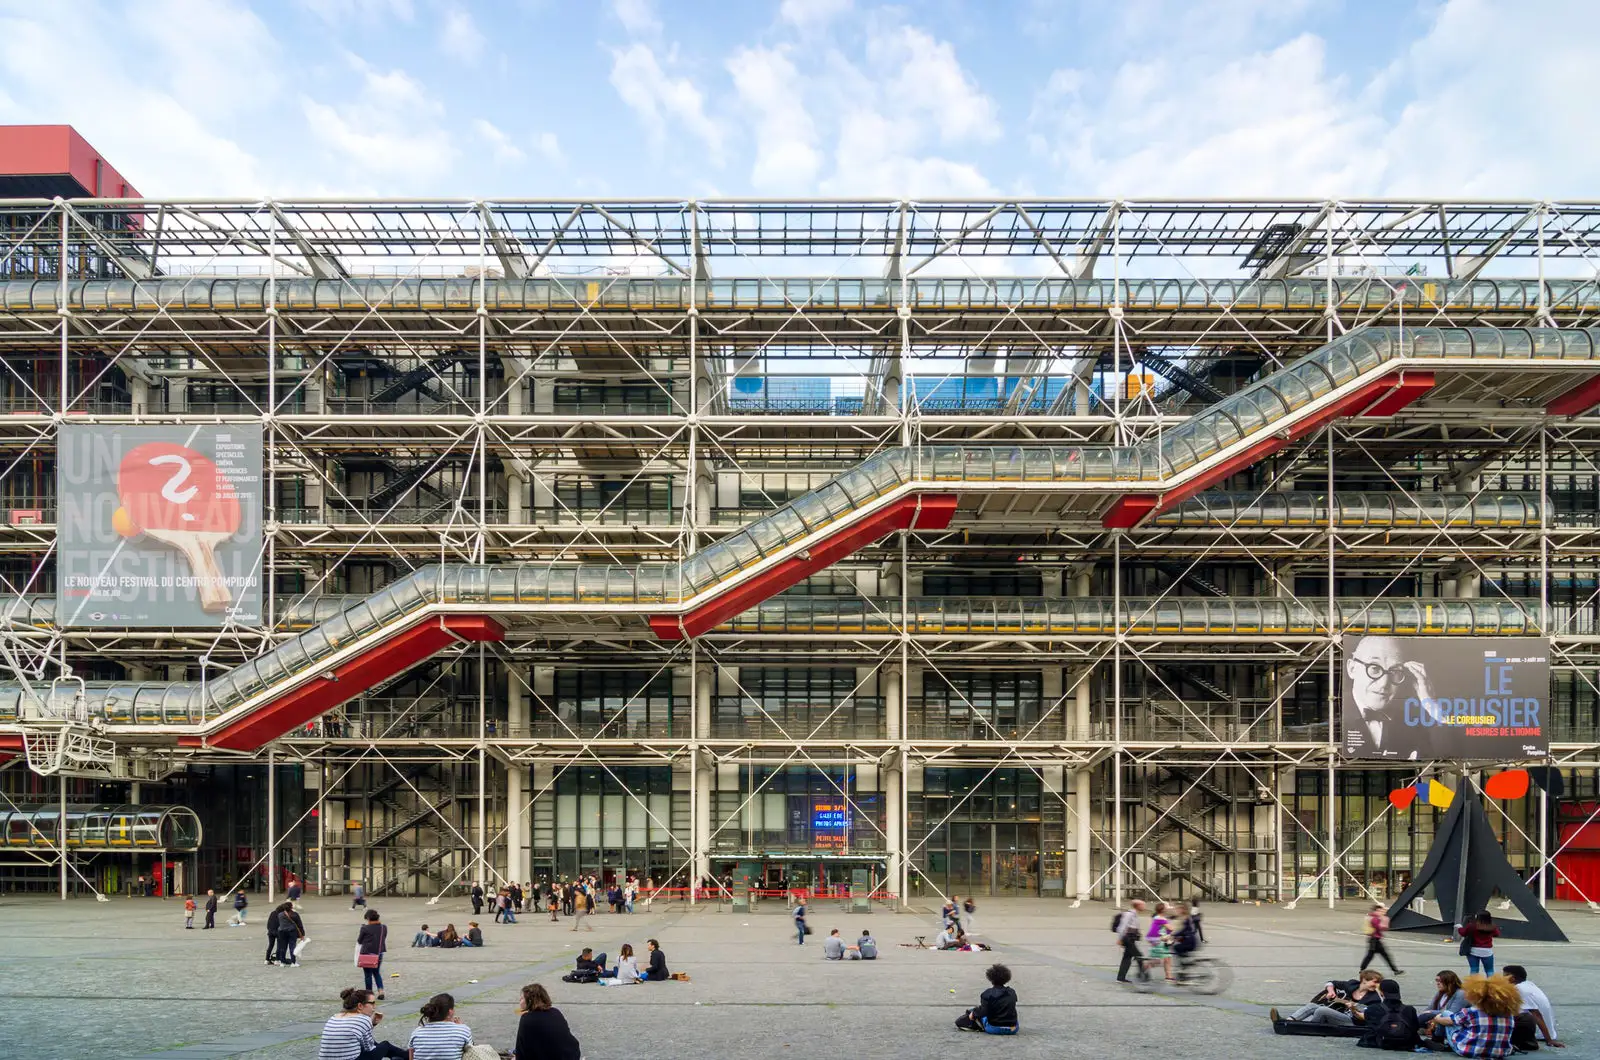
[176,496]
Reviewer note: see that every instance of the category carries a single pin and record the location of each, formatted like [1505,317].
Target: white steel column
[701,774]
[516,779]
[1082,830]
[894,781]
[272,825]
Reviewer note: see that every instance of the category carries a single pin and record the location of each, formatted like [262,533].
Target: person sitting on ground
[866,946]
[996,1011]
[1448,996]
[542,1031]
[1338,1002]
[833,946]
[449,938]
[1485,1026]
[440,1034]
[474,935]
[589,962]
[626,973]
[423,937]
[949,937]
[656,969]
[1538,1017]
[348,1033]
[1389,1023]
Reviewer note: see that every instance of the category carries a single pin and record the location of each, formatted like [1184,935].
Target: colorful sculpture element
[1512,784]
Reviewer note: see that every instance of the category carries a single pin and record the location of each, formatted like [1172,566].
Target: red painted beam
[1347,406]
[932,512]
[1581,398]
[1128,510]
[318,696]
[1412,386]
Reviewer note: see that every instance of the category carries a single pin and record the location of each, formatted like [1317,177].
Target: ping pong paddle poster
[159,526]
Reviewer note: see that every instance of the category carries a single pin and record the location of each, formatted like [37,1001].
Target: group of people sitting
[591,967]
[542,1031]
[1486,1016]
[835,948]
[448,937]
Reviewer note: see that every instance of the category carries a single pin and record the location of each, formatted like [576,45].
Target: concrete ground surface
[84,979]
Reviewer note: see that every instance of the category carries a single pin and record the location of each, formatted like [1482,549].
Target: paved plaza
[84,979]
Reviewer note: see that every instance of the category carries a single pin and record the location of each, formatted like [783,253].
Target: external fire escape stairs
[1165,846]
[410,806]
[417,379]
[1373,372]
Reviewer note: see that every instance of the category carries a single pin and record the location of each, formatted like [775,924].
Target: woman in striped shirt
[440,1035]
[348,1034]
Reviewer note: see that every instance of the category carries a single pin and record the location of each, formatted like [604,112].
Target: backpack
[1116,923]
[1393,1030]
[581,975]
[970,906]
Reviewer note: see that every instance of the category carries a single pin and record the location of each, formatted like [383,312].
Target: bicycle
[1202,975]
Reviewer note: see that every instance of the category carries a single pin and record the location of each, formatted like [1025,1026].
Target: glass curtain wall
[608,823]
[980,830]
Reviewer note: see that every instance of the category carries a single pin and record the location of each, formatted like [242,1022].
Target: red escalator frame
[1381,397]
[321,694]
[927,512]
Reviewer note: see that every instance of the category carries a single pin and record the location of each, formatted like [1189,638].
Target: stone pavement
[83,979]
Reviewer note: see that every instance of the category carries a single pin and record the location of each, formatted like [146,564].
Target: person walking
[241,907]
[581,908]
[800,922]
[1126,928]
[188,912]
[290,931]
[358,895]
[1376,927]
[477,899]
[295,890]
[272,932]
[372,942]
[211,910]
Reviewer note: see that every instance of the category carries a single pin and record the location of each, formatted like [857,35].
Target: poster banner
[158,525]
[1422,698]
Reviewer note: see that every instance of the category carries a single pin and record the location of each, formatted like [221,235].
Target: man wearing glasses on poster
[1381,679]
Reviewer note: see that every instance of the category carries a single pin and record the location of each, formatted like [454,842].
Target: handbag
[1465,949]
[368,960]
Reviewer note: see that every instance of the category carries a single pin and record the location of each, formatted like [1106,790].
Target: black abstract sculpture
[1466,867]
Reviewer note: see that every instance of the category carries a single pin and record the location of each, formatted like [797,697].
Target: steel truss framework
[550,382]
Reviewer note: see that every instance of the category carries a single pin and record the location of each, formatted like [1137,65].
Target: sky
[834,98]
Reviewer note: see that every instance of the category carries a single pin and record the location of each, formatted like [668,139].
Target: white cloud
[927,79]
[1242,106]
[390,129]
[460,38]
[638,17]
[1265,123]
[335,11]
[769,84]
[198,103]
[877,156]
[661,100]
[548,147]
[808,14]
[1503,126]
[499,143]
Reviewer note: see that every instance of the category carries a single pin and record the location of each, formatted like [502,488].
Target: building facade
[999,547]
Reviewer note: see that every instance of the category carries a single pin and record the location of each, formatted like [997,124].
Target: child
[996,1011]
[1160,944]
[188,913]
